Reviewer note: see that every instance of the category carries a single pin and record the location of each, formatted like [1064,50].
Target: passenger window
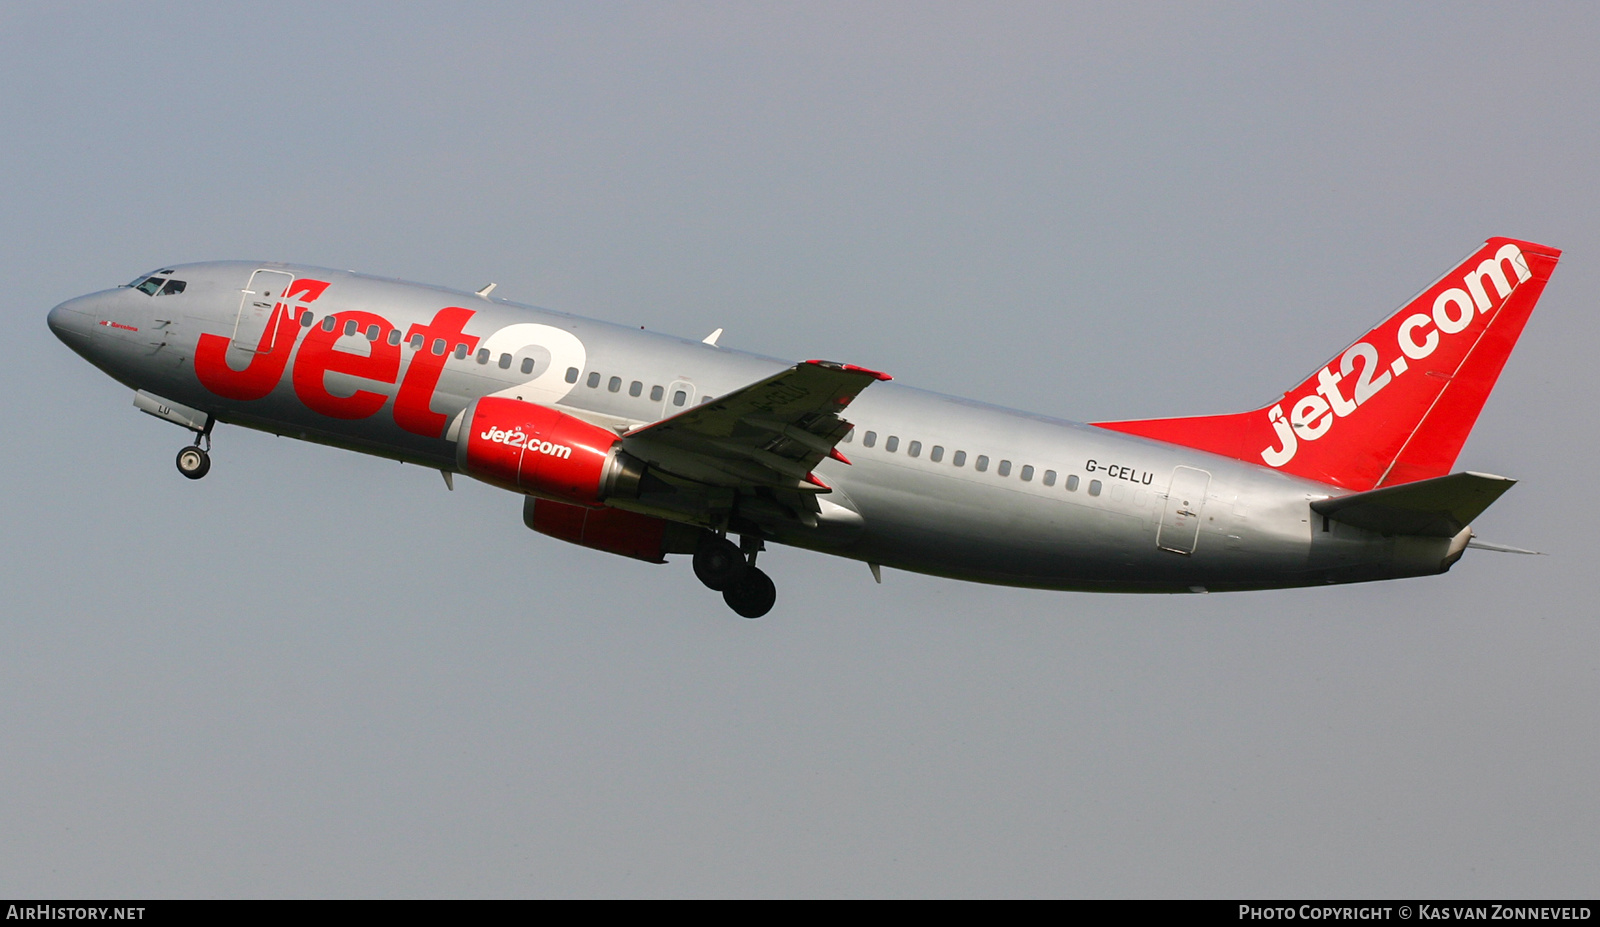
[982,464]
[1027,472]
[891,445]
[572,374]
[394,336]
[1094,487]
[848,436]
[593,381]
[1049,477]
[656,393]
[679,397]
[439,347]
[306,319]
[416,342]
[937,454]
[1072,483]
[483,357]
[527,365]
[505,362]
[914,449]
[1005,468]
[960,459]
[635,388]
[373,332]
[461,352]
[350,328]
[173,288]
[329,323]
[869,439]
[614,384]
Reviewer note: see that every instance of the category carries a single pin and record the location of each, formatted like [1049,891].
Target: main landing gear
[731,570]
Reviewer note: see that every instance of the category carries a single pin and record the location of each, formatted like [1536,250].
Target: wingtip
[835,365]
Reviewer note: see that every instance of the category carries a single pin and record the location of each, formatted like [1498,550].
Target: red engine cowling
[612,530]
[536,449]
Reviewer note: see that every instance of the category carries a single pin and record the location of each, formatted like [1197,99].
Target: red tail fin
[1397,405]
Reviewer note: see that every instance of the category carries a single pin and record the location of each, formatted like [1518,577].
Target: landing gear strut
[195,461]
[731,570]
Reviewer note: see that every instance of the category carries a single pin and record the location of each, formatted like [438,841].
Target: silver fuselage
[1115,529]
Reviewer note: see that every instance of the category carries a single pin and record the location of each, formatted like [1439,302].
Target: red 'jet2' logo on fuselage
[318,355]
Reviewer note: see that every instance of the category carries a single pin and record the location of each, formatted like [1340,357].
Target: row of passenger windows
[891,444]
[374,332]
[636,388]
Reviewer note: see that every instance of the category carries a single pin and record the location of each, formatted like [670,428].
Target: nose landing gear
[731,570]
[194,462]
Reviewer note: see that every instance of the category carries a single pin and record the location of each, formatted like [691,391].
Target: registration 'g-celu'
[646,445]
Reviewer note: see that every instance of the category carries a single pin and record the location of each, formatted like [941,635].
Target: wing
[769,434]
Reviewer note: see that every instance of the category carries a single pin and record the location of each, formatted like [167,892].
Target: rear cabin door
[1186,500]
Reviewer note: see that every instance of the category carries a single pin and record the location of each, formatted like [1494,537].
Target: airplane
[644,445]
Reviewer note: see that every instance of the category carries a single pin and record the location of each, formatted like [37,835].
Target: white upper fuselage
[935,484]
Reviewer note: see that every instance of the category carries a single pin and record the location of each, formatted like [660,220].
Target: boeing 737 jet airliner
[646,445]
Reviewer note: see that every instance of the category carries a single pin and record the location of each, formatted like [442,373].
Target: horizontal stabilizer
[1436,508]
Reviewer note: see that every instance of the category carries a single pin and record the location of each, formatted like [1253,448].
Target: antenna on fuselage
[711,339]
[487,290]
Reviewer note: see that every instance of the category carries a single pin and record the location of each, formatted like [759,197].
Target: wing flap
[1438,507]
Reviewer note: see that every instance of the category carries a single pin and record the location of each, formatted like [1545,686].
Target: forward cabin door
[1186,499]
[256,304]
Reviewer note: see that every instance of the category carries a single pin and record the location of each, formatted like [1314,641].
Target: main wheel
[718,563]
[753,595]
[193,462]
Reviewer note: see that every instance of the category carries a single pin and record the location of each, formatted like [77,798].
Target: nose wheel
[731,569]
[194,462]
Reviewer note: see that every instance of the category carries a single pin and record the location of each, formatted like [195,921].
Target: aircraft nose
[71,322]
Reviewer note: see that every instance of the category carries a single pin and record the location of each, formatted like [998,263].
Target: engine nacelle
[535,449]
[612,530]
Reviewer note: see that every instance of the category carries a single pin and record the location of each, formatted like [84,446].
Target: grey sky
[315,673]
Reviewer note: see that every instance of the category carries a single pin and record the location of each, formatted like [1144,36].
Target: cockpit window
[153,285]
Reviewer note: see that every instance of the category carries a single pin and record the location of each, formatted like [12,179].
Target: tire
[194,463]
[719,564]
[753,595]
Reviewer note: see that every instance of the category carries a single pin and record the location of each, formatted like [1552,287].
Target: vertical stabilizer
[1397,405]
